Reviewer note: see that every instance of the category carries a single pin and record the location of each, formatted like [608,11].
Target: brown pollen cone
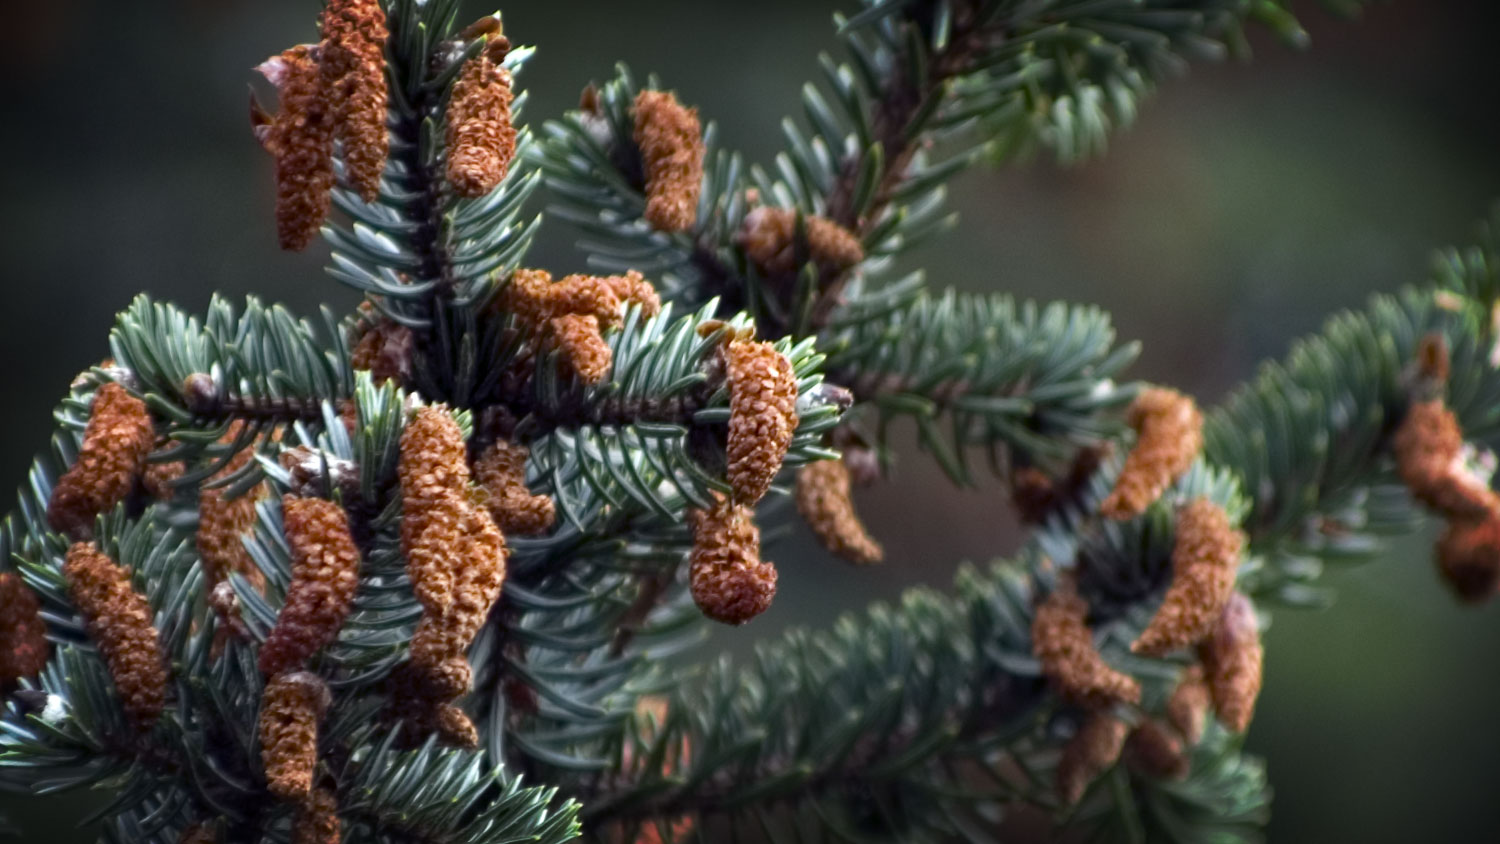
[1092,751]
[1169,434]
[291,707]
[769,238]
[223,522]
[23,635]
[1468,558]
[1062,642]
[671,143]
[198,833]
[119,621]
[1187,708]
[353,71]
[729,582]
[1156,750]
[158,478]
[1205,557]
[301,138]
[825,502]
[1232,661]
[1429,447]
[325,573]
[581,347]
[317,819]
[481,139]
[762,416]
[501,471]
[115,445]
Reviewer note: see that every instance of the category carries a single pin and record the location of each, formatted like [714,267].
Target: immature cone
[290,708]
[573,314]
[584,353]
[1169,434]
[1429,458]
[762,416]
[671,144]
[353,71]
[481,140]
[729,582]
[1205,557]
[501,471]
[1156,750]
[1232,663]
[317,819]
[1062,642]
[23,635]
[1187,708]
[769,238]
[1468,558]
[224,521]
[115,445]
[301,138]
[325,573]
[823,499]
[1092,751]
[119,621]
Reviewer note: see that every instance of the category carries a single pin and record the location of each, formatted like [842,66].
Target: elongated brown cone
[291,708]
[119,621]
[223,522]
[582,349]
[825,502]
[1204,561]
[762,416]
[1429,459]
[671,144]
[729,581]
[325,573]
[317,819]
[481,139]
[23,635]
[769,238]
[1092,751]
[301,139]
[353,70]
[1062,642]
[501,471]
[1232,659]
[1169,435]
[115,445]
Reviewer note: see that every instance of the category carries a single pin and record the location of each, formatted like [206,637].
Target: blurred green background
[1249,202]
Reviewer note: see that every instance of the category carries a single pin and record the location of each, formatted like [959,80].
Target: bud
[671,144]
[1232,663]
[729,582]
[1062,642]
[1169,435]
[481,139]
[1205,557]
[115,445]
[825,502]
[325,574]
[762,416]
[290,708]
[119,620]
[1187,708]
[1092,751]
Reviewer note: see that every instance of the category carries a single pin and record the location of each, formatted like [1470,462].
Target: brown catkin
[1169,434]
[301,138]
[1092,751]
[1232,658]
[481,139]
[1156,750]
[1062,642]
[501,471]
[762,416]
[115,445]
[325,573]
[455,728]
[825,502]
[729,582]
[1429,458]
[581,347]
[1205,557]
[1468,558]
[353,72]
[1187,708]
[317,819]
[290,708]
[159,478]
[119,621]
[223,522]
[769,238]
[23,635]
[671,143]
[634,288]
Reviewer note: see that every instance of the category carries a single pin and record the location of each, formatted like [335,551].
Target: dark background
[1248,203]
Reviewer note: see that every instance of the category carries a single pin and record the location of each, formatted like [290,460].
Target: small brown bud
[1205,558]
[325,574]
[501,471]
[115,445]
[1062,642]
[23,635]
[762,416]
[301,138]
[120,622]
[290,708]
[1468,558]
[729,581]
[353,73]
[1092,751]
[1169,435]
[825,502]
[1187,708]
[1232,663]
[317,819]
[1156,750]
[481,139]
[671,144]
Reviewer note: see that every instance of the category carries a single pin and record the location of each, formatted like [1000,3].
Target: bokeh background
[1248,203]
